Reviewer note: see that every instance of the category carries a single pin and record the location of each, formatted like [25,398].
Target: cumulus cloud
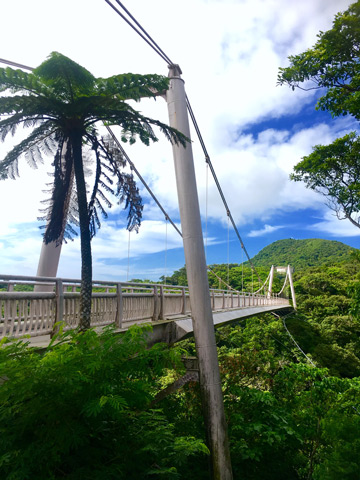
[229,52]
[264,231]
[332,226]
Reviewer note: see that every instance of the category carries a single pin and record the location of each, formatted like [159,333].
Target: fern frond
[34,139]
[132,86]
[20,81]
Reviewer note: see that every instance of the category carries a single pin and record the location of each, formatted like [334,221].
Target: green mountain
[303,253]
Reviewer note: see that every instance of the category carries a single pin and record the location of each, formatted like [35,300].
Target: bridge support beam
[209,375]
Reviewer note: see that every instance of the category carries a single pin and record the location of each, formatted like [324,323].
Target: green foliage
[332,65]
[81,410]
[315,400]
[261,433]
[334,171]
[177,278]
[303,253]
[84,405]
[324,304]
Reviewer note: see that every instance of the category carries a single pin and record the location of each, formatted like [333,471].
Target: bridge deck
[172,330]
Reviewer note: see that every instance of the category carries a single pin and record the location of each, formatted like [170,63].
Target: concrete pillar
[48,265]
[196,268]
[289,272]
[271,279]
[50,253]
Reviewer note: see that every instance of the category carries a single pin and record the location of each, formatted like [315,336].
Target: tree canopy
[332,66]
[334,171]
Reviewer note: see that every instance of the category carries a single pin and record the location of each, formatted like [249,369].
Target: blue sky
[255,131]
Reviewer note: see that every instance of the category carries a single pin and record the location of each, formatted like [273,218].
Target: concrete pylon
[271,279]
[289,272]
[50,253]
[48,265]
[209,375]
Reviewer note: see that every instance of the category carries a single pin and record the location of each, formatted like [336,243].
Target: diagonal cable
[153,46]
[132,166]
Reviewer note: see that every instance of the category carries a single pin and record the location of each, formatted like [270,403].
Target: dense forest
[89,407]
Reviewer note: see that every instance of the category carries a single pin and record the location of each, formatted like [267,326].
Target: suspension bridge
[174,312]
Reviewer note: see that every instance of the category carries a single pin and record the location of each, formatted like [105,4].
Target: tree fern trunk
[86,259]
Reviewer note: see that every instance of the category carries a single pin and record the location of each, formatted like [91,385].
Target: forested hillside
[303,253]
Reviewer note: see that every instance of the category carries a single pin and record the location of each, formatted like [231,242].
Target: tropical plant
[333,66]
[82,409]
[63,103]
[334,171]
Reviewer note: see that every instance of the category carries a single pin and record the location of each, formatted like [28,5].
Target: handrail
[36,313]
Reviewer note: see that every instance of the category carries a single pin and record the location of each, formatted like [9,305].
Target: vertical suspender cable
[166,239]
[206,209]
[242,270]
[228,248]
[128,264]
[252,281]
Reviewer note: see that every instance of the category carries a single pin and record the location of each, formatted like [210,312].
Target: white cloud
[264,231]
[331,225]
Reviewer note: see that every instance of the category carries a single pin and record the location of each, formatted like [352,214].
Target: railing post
[59,305]
[119,305]
[184,300]
[156,304]
[223,303]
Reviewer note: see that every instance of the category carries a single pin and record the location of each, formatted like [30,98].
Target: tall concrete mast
[210,383]
[50,253]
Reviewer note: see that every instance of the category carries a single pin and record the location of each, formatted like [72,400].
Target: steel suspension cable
[13,64]
[166,247]
[206,208]
[285,282]
[292,338]
[158,49]
[160,52]
[208,161]
[242,270]
[164,57]
[263,285]
[118,144]
[222,281]
[228,250]
[128,259]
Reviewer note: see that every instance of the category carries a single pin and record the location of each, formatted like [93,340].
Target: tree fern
[62,103]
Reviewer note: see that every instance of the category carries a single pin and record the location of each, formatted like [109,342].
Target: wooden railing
[36,313]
